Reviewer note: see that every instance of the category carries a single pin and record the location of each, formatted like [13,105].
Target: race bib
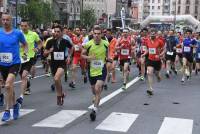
[125,52]
[179,50]
[6,57]
[77,48]
[170,53]
[58,55]
[97,63]
[187,49]
[152,50]
[144,48]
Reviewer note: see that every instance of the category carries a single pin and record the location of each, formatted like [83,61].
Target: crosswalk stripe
[60,119]
[176,126]
[22,113]
[119,122]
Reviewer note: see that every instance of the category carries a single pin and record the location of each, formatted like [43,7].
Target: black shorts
[14,69]
[54,67]
[115,58]
[33,61]
[189,57]
[170,57]
[121,62]
[25,66]
[94,79]
[155,64]
[197,60]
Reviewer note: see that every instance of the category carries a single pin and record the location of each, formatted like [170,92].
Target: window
[187,1]
[196,2]
[179,1]
[153,1]
[152,7]
[187,10]
[158,1]
[196,10]
[158,7]
[179,10]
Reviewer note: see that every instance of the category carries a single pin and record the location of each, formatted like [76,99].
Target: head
[24,25]
[153,35]
[77,31]
[97,34]
[188,33]
[7,21]
[65,30]
[58,32]
[84,31]
[171,32]
[125,33]
[144,32]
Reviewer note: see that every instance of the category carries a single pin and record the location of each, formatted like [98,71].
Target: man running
[95,51]
[10,62]
[56,47]
[155,52]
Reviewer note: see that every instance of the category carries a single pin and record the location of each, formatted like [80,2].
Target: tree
[37,12]
[88,17]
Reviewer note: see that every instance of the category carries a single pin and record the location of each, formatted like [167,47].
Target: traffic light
[129,3]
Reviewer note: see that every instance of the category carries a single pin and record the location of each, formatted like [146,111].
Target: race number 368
[6,57]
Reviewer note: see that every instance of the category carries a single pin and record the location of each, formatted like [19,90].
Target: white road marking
[39,76]
[113,94]
[176,126]
[60,119]
[119,122]
[22,113]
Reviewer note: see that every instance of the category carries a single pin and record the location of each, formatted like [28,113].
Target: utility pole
[16,11]
[175,15]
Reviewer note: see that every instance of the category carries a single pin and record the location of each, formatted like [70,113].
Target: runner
[188,45]
[155,52]
[95,51]
[77,60]
[10,63]
[30,59]
[125,46]
[197,56]
[56,47]
[170,56]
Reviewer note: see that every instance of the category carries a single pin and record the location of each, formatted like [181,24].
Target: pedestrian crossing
[115,121]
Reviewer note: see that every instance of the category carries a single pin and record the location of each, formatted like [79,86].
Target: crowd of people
[97,52]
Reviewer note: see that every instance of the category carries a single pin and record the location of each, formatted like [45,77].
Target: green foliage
[88,17]
[37,12]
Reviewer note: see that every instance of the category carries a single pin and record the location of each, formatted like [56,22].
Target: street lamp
[174,15]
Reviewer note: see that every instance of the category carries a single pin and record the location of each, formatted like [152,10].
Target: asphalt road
[174,109]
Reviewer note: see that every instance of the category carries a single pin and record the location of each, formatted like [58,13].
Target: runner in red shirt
[77,40]
[125,46]
[155,51]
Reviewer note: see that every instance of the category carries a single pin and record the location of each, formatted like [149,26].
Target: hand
[92,57]
[51,50]
[35,50]
[68,60]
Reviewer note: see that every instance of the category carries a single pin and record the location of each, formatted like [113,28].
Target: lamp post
[175,15]
[16,11]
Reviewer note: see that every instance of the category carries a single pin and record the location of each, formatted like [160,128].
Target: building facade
[187,7]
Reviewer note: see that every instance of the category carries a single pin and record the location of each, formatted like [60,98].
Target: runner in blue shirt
[10,62]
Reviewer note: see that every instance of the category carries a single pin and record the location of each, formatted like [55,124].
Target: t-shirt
[59,50]
[31,38]
[154,49]
[10,47]
[125,49]
[100,51]
[187,45]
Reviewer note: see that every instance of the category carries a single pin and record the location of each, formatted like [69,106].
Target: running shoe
[72,85]
[93,115]
[124,86]
[16,108]
[6,116]
[150,92]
